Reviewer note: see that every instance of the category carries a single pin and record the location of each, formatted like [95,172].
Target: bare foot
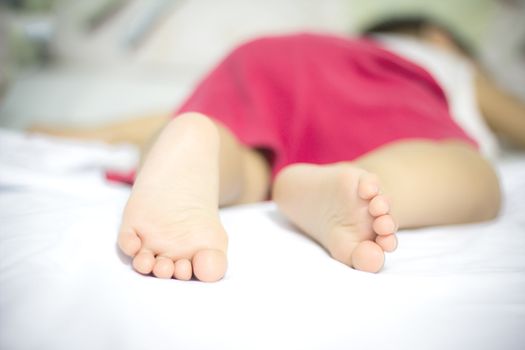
[340,206]
[171,224]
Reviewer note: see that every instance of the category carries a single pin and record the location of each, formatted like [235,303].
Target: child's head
[424,28]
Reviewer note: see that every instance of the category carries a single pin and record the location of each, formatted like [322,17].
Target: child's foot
[341,207]
[171,224]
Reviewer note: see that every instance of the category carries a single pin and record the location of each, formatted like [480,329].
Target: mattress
[65,285]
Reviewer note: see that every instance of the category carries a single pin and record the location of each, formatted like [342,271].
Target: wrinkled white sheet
[63,284]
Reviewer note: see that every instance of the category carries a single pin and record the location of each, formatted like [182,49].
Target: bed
[64,284]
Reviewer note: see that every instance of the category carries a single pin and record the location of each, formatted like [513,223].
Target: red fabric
[125,177]
[321,99]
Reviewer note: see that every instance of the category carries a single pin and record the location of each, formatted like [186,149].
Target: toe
[384,225]
[378,206]
[209,265]
[144,262]
[388,242]
[163,268]
[129,242]
[368,256]
[183,270]
[368,186]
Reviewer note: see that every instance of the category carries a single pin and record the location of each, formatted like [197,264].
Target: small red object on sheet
[122,177]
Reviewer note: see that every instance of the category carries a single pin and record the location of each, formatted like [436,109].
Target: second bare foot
[341,207]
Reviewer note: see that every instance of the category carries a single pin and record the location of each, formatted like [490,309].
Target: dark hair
[415,25]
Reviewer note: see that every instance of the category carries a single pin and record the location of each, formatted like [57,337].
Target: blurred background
[78,62]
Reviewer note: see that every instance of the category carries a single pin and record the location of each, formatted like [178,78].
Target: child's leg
[342,206]
[171,224]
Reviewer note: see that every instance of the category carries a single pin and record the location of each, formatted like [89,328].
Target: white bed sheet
[63,284]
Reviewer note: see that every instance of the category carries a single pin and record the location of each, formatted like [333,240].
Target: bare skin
[503,112]
[377,193]
[171,226]
[340,207]
[137,130]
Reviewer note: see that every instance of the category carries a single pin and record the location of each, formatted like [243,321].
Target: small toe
[368,256]
[378,206]
[129,242]
[384,225]
[163,268]
[144,262]
[368,186]
[209,265]
[183,270]
[388,242]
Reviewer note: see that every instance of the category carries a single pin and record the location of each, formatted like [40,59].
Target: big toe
[368,256]
[209,265]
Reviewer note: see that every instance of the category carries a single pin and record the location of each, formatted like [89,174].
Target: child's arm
[137,130]
[504,113]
